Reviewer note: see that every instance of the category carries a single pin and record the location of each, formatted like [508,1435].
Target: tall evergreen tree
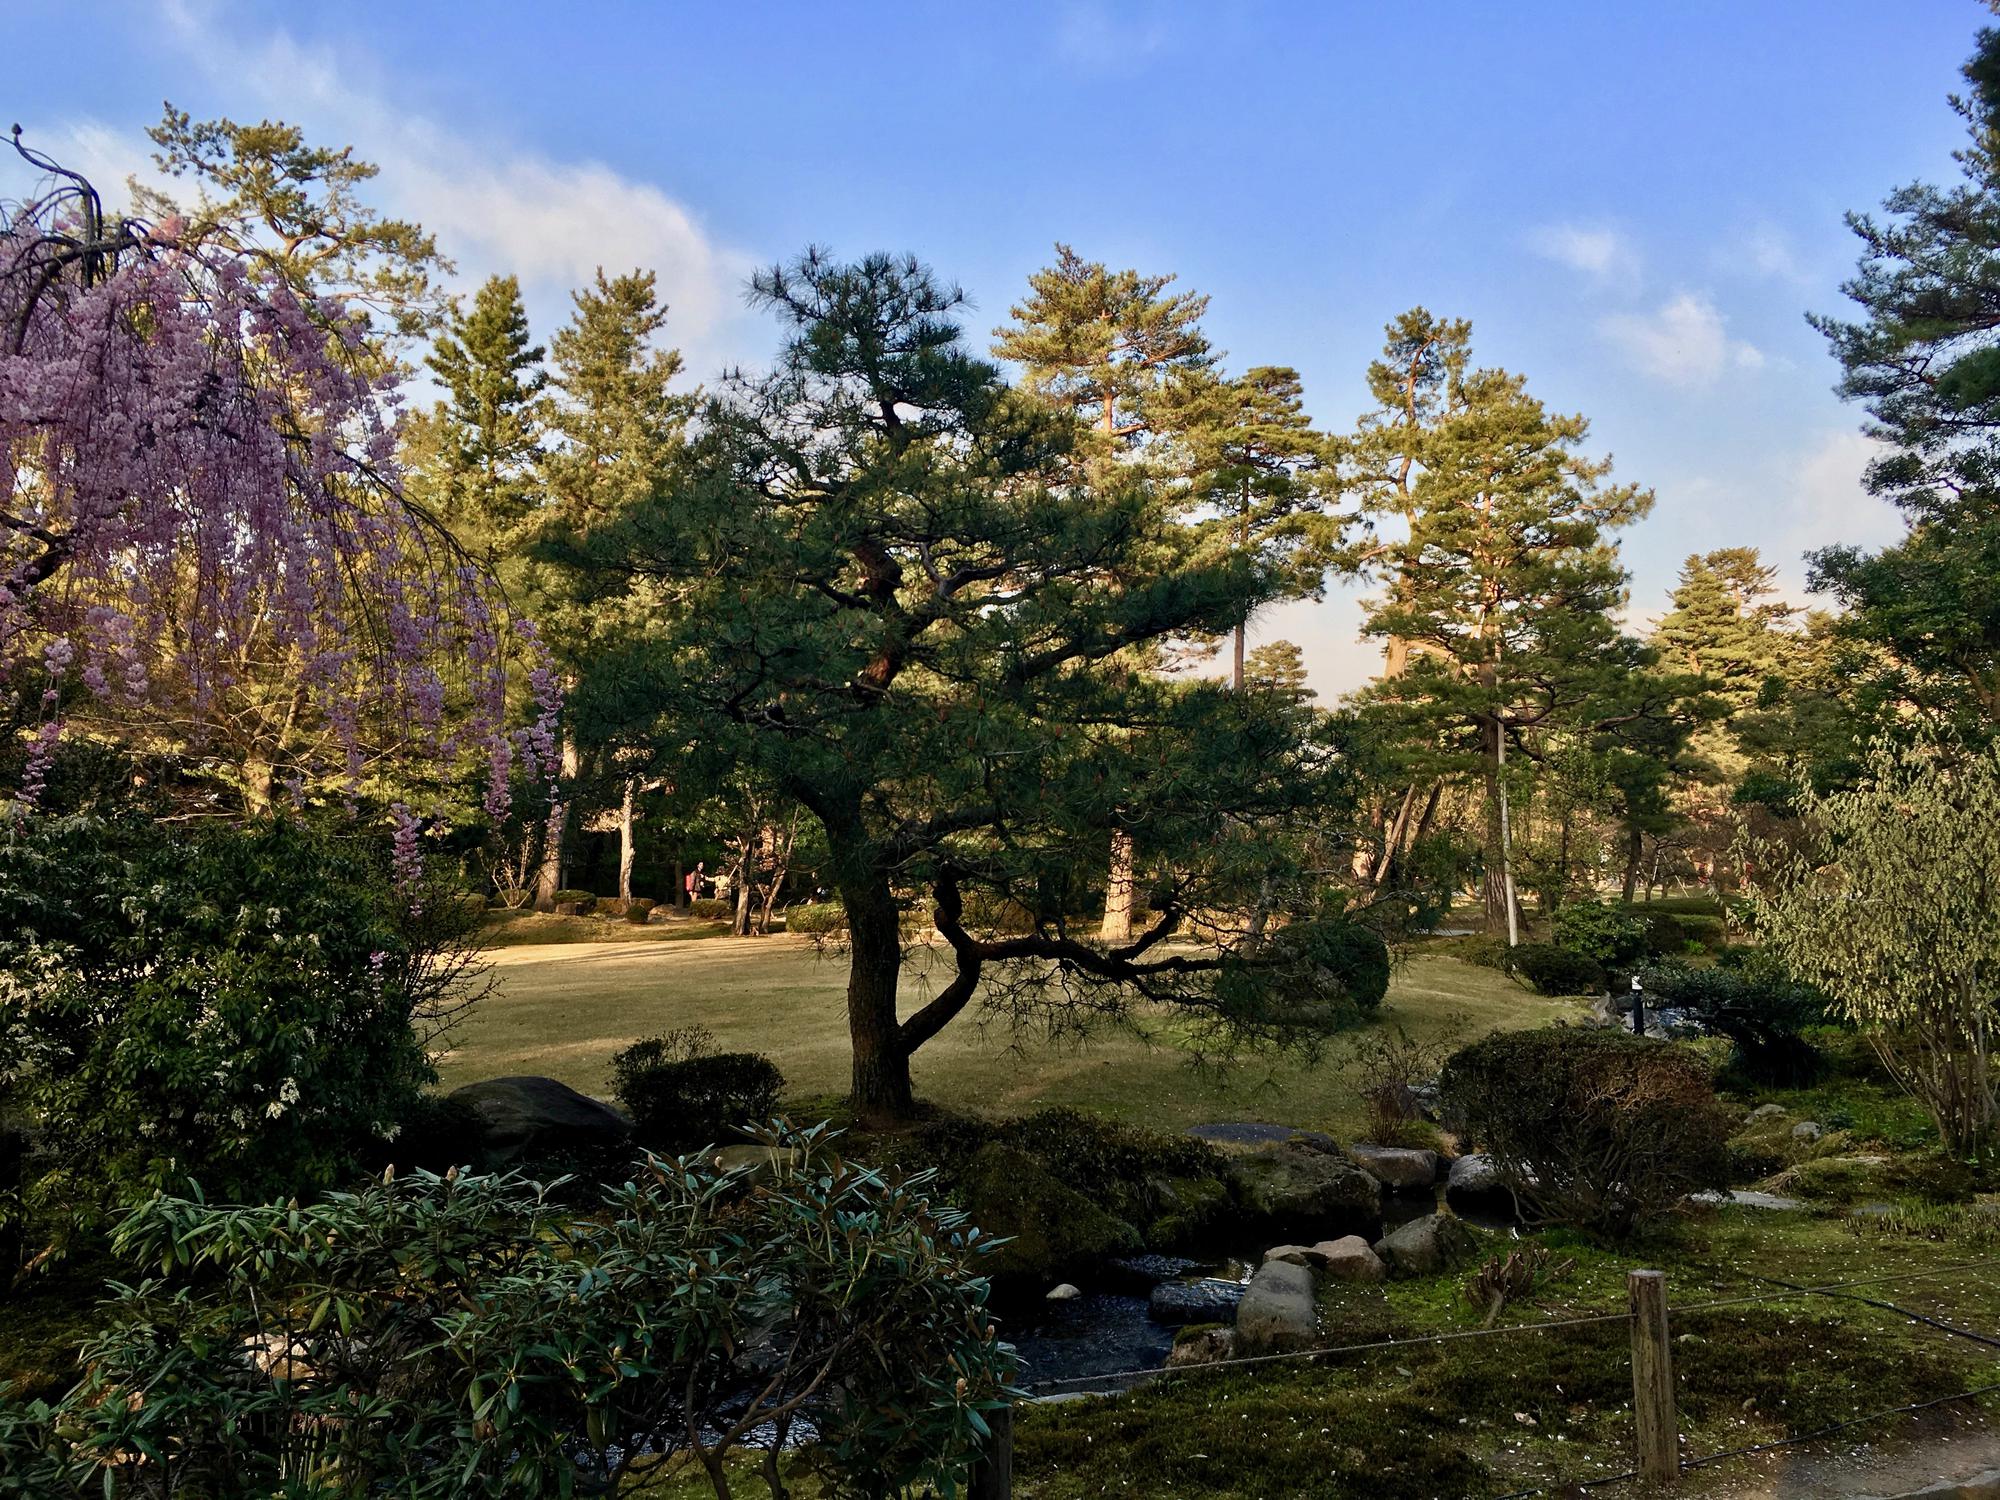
[1923,361]
[881,587]
[1279,667]
[487,446]
[1727,624]
[617,428]
[1260,477]
[1104,344]
[1504,580]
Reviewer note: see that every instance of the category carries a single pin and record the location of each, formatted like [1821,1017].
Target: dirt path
[1943,1458]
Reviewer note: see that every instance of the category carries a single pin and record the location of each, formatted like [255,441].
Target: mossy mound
[1053,1231]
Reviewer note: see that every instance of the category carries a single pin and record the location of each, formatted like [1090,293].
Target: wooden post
[1653,1379]
[993,1471]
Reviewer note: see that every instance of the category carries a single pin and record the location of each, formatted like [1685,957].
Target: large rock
[1277,1311]
[1055,1233]
[1208,1300]
[539,1119]
[1201,1346]
[1350,1259]
[1425,1246]
[1192,1211]
[1293,1192]
[1477,1186]
[1397,1167]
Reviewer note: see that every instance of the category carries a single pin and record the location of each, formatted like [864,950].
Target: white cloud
[1684,342]
[1593,249]
[494,208]
[1825,501]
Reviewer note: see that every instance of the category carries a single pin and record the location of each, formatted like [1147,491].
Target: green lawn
[563,1010]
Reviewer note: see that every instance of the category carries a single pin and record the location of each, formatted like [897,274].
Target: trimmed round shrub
[575,903]
[1595,1129]
[709,909]
[1557,971]
[639,910]
[1360,958]
[682,1098]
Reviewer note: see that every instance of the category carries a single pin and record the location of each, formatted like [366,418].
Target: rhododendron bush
[201,517]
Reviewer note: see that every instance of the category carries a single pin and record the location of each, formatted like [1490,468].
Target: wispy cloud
[1764,250]
[1684,342]
[1094,37]
[1596,250]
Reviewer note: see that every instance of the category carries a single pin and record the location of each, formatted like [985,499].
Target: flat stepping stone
[1746,1198]
[1243,1133]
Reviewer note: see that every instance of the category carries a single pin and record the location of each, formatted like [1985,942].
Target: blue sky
[1635,204]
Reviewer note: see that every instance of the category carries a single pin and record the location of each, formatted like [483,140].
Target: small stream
[1111,1328]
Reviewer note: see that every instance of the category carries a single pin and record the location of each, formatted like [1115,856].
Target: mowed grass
[564,1010]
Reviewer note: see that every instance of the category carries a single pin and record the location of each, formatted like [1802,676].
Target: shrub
[1393,1069]
[708,909]
[639,910]
[253,1005]
[1558,971]
[816,919]
[1360,958]
[499,1346]
[1595,1129]
[575,903]
[1759,1010]
[1673,932]
[1610,935]
[682,1096]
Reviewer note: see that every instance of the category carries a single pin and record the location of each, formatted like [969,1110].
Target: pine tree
[882,587]
[1279,667]
[1922,360]
[488,441]
[1727,624]
[1504,583]
[1103,345]
[618,428]
[1261,477]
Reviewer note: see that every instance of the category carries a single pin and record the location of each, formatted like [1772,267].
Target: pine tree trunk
[628,853]
[1117,924]
[1635,843]
[881,1077]
[1236,677]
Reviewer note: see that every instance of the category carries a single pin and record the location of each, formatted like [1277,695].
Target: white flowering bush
[246,1006]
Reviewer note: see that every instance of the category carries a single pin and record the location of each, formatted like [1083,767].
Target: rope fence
[1647,1313]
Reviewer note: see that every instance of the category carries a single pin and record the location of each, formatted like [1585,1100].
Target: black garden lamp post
[1638,1007]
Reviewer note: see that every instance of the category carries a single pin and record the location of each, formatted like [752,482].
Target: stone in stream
[1475,1185]
[1065,1292]
[1425,1246]
[1396,1167]
[1147,1271]
[1277,1311]
[1201,1346]
[1209,1300]
[1745,1198]
[1350,1259]
[1294,1192]
[1297,1255]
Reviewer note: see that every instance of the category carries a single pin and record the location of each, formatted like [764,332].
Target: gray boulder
[1293,1192]
[536,1119]
[1808,1132]
[1425,1246]
[1477,1186]
[1053,1232]
[1208,1300]
[1297,1255]
[1767,1111]
[1277,1311]
[1350,1259]
[1396,1167]
[1201,1346]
